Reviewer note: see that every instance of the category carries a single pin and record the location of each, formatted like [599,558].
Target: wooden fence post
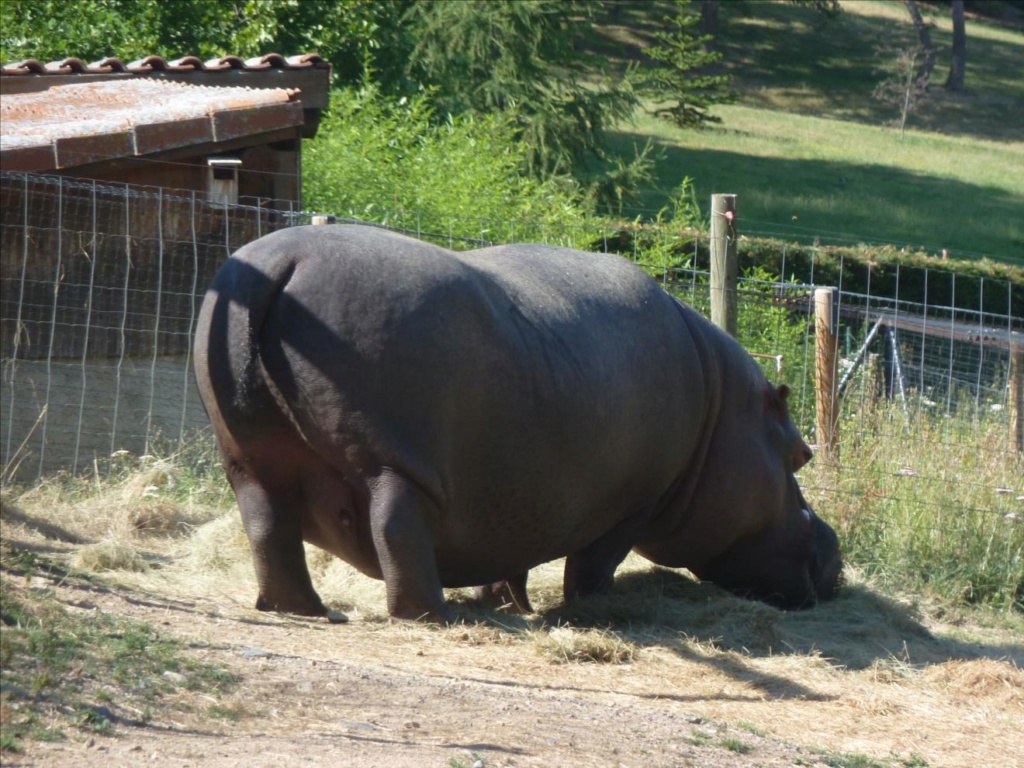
[875,381]
[826,329]
[1016,399]
[724,262]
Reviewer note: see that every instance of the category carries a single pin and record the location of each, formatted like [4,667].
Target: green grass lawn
[791,59]
[801,177]
[810,152]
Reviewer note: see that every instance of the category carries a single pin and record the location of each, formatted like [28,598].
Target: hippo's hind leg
[272,522]
[509,595]
[405,547]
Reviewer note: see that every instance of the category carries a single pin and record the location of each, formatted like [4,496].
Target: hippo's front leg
[592,569]
[402,538]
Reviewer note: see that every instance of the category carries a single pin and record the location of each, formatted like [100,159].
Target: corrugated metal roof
[79,123]
[159,64]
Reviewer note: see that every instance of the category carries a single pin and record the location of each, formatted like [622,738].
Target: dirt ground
[839,687]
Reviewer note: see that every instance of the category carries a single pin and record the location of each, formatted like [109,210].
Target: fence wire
[101,284]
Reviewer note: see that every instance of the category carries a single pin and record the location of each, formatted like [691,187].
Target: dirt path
[690,676]
[372,693]
[324,694]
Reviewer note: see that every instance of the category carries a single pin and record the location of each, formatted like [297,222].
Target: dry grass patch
[866,674]
[971,680]
[13,516]
[482,634]
[109,555]
[740,625]
[566,645]
[145,502]
[218,547]
[344,588]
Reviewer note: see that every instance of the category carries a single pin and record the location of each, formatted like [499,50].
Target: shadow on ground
[664,608]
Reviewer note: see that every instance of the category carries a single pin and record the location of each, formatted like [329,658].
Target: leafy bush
[391,162]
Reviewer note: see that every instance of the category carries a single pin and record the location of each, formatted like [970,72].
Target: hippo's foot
[405,611]
[509,596]
[299,608]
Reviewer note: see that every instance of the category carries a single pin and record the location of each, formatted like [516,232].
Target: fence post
[724,262]
[826,328]
[1016,400]
[875,380]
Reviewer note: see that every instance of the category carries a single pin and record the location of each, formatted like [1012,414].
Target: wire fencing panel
[929,425]
[101,285]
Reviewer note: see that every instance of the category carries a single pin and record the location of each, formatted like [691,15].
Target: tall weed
[920,508]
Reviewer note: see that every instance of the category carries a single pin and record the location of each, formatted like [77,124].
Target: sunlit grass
[934,15]
[767,133]
[801,177]
[811,155]
[919,507]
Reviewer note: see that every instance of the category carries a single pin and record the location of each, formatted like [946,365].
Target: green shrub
[390,162]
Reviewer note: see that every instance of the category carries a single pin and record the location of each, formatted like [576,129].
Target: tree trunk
[709,17]
[924,72]
[955,81]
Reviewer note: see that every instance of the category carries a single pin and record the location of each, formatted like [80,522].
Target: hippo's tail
[229,370]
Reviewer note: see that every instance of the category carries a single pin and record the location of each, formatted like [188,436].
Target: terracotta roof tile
[90,121]
[159,64]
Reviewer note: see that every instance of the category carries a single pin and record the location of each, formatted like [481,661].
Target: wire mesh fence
[101,285]
[100,288]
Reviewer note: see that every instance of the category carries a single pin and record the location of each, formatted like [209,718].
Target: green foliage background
[391,161]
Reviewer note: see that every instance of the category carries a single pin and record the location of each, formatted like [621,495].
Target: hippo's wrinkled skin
[440,420]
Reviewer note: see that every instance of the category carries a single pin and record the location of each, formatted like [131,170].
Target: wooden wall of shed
[269,176]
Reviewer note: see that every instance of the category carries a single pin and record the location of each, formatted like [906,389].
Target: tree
[924,72]
[903,86]
[51,30]
[958,66]
[709,17]
[676,76]
[345,32]
[518,57]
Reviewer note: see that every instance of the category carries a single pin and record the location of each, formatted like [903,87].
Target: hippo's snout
[828,566]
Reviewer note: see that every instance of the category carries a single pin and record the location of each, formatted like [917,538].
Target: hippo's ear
[775,401]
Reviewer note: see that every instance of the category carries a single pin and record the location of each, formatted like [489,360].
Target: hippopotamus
[452,419]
